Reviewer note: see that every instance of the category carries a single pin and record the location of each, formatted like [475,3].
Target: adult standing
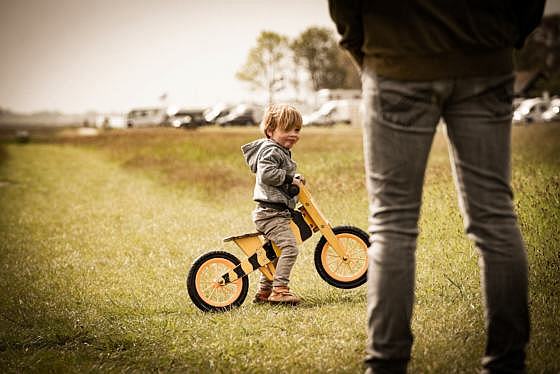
[422,61]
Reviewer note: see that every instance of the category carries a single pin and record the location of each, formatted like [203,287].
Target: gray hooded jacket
[273,167]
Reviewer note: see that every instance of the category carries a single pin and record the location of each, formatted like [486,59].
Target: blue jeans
[400,119]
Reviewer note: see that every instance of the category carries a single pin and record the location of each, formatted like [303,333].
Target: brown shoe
[282,295]
[262,296]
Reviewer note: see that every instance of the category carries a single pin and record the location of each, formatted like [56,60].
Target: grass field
[97,235]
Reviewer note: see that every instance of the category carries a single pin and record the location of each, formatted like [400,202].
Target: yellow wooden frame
[253,243]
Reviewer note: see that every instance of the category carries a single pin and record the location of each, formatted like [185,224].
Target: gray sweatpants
[275,225]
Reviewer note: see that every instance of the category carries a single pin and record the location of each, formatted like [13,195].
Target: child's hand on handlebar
[299,178]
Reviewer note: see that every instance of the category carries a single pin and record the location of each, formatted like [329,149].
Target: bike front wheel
[337,271]
[203,284]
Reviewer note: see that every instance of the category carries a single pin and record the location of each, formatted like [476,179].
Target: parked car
[331,112]
[530,110]
[145,117]
[318,118]
[214,113]
[242,114]
[187,118]
[553,111]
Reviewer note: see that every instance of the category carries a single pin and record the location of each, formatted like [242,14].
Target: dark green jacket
[435,39]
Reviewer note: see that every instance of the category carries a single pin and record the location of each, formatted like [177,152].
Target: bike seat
[230,238]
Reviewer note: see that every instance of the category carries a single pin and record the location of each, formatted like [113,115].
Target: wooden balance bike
[218,281]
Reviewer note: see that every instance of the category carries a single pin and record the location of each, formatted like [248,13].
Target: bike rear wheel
[203,284]
[339,272]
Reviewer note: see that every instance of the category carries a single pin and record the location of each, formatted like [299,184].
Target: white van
[334,111]
[146,117]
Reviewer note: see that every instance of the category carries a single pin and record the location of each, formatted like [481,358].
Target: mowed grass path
[97,234]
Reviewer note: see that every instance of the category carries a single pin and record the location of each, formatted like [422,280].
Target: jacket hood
[251,151]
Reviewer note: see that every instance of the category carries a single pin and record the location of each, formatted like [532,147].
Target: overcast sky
[112,55]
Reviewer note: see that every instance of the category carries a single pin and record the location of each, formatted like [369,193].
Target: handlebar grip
[293,190]
[290,190]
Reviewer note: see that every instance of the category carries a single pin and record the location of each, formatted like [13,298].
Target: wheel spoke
[338,267]
[351,271]
[212,292]
[332,262]
[208,288]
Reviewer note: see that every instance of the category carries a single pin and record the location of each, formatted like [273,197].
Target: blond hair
[282,116]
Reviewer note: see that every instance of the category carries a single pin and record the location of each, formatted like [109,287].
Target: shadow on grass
[342,298]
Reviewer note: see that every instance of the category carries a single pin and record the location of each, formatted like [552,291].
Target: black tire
[358,262]
[204,271]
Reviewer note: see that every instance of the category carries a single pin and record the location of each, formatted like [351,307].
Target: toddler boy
[270,159]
